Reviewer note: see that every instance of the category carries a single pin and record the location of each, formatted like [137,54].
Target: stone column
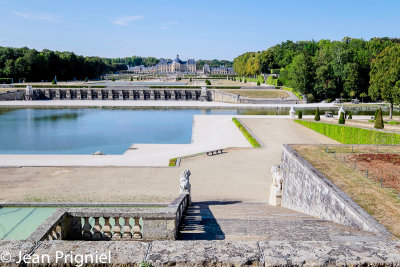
[89,94]
[67,94]
[78,94]
[57,96]
[120,95]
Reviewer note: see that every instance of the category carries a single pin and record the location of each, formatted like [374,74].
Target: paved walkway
[236,221]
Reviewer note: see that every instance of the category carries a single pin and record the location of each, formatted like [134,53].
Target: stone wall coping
[47,226]
[219,253]
[82,204]
[134,213]
[251,133]
[373,225]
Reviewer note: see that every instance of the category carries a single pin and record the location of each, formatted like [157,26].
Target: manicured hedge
[275,71]
[352,135]
[5,80]
[299,96]
[248,136]
[271,80]
[193,87]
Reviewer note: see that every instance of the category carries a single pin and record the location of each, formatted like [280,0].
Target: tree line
[326,69]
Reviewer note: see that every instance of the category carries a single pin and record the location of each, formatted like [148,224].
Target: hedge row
[352,135]
[299,96]
[248,136]
[275,71]
[194,87]
[271,80]
[5,80]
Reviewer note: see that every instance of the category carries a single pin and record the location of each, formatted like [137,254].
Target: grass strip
[246,134]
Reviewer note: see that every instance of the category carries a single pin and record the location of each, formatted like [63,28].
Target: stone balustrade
[125,224]
[117,94]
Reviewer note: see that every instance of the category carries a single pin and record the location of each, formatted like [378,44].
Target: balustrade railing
[126,224]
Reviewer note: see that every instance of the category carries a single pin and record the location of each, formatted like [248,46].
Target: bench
[214,152]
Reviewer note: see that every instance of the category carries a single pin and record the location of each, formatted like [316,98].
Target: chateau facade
[176,65]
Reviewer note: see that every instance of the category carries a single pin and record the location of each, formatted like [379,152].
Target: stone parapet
[212,253]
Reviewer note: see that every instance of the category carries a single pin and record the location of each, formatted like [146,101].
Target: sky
[204,29]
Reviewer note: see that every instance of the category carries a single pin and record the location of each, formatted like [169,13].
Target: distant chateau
[167,66]
[217,70]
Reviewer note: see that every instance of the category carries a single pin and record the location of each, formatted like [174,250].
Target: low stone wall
[140,224]
[246,100]
[12,95]
[224,96]
[307,190]
[205,253]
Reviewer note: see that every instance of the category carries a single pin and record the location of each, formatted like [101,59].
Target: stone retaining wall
[307,190]
[12,95]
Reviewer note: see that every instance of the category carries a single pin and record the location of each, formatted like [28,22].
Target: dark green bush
[352,135]
[350,117]
[317,116]
[54,81]
[376,113]
[208,82]
[342,120]
[300,116]
[379,120]
[113,79]
[258,83]
[86,79]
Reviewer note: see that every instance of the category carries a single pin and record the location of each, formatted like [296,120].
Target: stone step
[260,222]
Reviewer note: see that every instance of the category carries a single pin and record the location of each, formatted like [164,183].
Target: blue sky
[194,29]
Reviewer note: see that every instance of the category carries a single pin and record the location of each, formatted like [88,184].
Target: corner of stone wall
[307,190]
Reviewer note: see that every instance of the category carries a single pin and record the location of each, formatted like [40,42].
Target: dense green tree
[300,116]
[385,76]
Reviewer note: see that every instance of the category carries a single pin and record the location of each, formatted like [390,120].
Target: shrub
[376,114]
[113,79]
[258,83]
[54,81]
[245,81]
[190,80]
[310,98]
[300,116]
[352,135]
[379,120]
[208,82]
[86,79]
[317,116]
[131,79]
[350,117]
[342,120]
[275,71]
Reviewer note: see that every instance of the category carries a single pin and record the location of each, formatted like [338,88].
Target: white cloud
[39,16]
[167,25]
[125,20]
[1,40]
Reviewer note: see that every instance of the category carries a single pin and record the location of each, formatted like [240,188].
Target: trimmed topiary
[342,120]
[208,82]
[258,83]
[113,79]
[376,114]
[86,79]
[379,120]
[54,82]
[317,116]
[300,116]
[350,117]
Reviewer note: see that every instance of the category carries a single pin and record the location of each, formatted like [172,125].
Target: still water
[112,131]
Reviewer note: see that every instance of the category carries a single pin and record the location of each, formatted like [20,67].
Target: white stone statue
[184,185]
[28,92]
[292,112]
[275,195]
[340,111]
